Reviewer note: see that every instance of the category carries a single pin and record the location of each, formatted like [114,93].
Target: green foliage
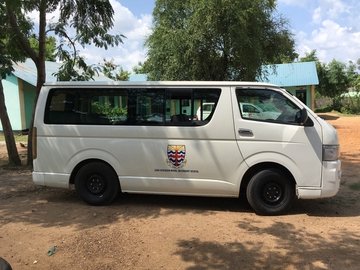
[18,137]
[9,52]
[215,40]
[351,104]
[114,71]
[50,47]
[75,68]
[122,75]
[5,59]
[335,80]
[89,20]
[309,57]
[139,69]
[108,110]
[324,109]
[333,77]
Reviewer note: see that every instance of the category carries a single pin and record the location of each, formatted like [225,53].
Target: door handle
[245,132]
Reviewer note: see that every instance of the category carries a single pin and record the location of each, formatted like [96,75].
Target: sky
[331,27]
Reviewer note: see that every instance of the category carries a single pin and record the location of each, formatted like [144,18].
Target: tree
[215,40]
[353,75]
[90,19]
[114,71]
[5,69]
[335,78]
[309,57]
[320,69]
[333,81]
[50,47]
[8,54]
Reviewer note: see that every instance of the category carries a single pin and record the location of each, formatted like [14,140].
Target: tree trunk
[13,154]
[41,75]
[41,72]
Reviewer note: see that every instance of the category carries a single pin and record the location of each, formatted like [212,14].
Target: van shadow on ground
[21,201]
[292,248]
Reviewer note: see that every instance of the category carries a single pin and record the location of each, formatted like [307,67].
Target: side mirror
[302,116]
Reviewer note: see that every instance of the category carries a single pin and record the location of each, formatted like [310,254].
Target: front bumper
[330,184]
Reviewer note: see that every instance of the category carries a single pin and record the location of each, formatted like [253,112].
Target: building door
[301,94]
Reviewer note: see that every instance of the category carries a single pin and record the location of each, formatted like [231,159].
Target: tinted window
[149,106]
[266,105]
[131,106]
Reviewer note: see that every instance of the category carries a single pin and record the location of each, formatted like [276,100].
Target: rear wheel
[97,183]
[270,192]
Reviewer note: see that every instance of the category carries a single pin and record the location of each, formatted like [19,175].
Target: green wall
[292,90]
[29,99]
[11,93]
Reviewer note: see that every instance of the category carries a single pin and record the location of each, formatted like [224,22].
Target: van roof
[159,83]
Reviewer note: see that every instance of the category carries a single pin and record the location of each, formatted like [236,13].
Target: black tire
[4,265]
[270,192]
[97,183]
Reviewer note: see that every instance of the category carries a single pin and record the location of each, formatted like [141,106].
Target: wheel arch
[83,163]
[83,157]
[263,166]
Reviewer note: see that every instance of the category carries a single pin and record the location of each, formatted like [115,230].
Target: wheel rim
[96,184]
[272,193]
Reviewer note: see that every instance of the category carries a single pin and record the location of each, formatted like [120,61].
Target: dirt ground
[45,228]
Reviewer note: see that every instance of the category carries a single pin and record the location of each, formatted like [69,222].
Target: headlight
[330,152]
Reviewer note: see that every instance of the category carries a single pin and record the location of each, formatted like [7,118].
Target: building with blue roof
[138,78]
[20,90]
[298,78]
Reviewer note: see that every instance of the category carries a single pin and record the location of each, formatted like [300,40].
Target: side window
[205,104]
[149,106]
[61,108]
[108,107]
[266,105]
[190,106]
[87,107]
[133,106]
[178,107]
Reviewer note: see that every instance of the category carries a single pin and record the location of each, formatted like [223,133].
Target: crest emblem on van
[176,156]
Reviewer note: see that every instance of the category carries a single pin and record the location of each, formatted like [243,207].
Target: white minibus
[148,137]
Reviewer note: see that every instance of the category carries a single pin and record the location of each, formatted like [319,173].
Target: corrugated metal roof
[293,74]
[138,78]
[27,72]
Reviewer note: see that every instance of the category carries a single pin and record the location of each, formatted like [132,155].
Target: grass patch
[18,137]
[355,186]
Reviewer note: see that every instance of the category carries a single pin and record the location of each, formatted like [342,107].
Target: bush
[343,104]
[323,104]
[325,109]
[351,105]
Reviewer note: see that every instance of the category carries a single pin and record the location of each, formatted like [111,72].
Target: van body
[155,137]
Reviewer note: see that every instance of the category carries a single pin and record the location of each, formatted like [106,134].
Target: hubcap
[95,184]
[272,192]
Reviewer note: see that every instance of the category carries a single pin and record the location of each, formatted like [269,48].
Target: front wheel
[97,183]
[270,192]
